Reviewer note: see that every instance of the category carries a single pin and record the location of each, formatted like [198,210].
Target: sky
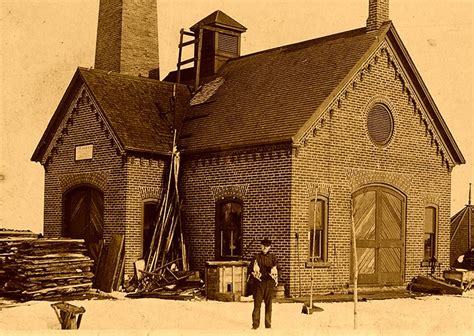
[43,41]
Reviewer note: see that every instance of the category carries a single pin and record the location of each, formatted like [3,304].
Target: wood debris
[432,285]
[36,269]
[167,261]
[110,266]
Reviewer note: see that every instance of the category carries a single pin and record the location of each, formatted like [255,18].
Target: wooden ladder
[196,58]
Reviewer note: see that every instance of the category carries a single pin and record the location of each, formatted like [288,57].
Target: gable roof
[273,95]
[136,108]
[268,96]
[462,218]
[420,87]
[219,19]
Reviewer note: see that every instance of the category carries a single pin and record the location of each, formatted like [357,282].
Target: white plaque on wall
[84,152]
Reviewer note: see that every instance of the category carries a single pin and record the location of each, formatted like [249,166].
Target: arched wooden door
[379,216]
[83,216]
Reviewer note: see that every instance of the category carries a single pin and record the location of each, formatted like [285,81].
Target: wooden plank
[63,256]
[59,288]
[112,263]
[119,275]
[184,44]
[55,240]
[187,61]
[436,284]
[99,273]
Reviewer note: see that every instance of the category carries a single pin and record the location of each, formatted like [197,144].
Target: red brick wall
[104,171]
[265,175]
[273,181]
[144,183]
[378,13]
[339,156]
[126,182]
[109,35]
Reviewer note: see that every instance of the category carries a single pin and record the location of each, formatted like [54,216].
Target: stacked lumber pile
[8,248]
[9,241]
[5,233]
[45,268]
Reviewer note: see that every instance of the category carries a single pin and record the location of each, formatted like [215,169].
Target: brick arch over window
[95,179]
[357,178]
[230,191]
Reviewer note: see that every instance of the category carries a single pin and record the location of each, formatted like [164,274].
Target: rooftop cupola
[378,14]
[220,41]
[127,37]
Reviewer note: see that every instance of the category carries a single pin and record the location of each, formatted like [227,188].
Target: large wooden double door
[379,218]
[83,216]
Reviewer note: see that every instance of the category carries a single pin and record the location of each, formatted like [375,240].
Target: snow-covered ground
[434,315]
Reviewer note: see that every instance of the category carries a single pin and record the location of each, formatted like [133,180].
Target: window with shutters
[317,229]
[228,43]
[229,229]
[380,124]
[431,218]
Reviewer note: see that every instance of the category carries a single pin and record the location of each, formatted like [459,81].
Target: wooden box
[462,278]
[226,280]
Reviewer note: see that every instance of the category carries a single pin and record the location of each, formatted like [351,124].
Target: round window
[380,124]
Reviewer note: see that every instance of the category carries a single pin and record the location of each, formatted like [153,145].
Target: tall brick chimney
[378,14]
[127,37]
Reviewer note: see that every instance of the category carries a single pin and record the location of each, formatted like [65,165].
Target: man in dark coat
[264,270]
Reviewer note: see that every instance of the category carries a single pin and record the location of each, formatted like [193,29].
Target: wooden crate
[226,280]
[461,278]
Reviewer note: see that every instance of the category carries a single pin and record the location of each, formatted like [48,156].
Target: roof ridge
[314,40]
[129,77]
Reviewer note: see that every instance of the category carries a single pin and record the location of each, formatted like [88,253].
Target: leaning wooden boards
[108,272]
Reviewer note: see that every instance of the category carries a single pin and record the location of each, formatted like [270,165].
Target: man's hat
[266,242]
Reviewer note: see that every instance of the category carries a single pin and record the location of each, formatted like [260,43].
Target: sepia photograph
[287,167]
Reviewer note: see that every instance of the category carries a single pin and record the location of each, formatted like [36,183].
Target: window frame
[434,233]
[219,205]
[388,109]
[145,203]
[324,237]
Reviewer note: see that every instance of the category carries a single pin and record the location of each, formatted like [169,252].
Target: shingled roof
[268,96]
[219,19]
[271,96]
[137,108]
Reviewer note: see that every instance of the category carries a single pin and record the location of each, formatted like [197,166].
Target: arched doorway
[83,216]
[379,218]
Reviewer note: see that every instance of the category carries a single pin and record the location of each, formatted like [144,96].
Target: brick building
[290,143]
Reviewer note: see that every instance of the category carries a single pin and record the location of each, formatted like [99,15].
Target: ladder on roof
[196,58]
